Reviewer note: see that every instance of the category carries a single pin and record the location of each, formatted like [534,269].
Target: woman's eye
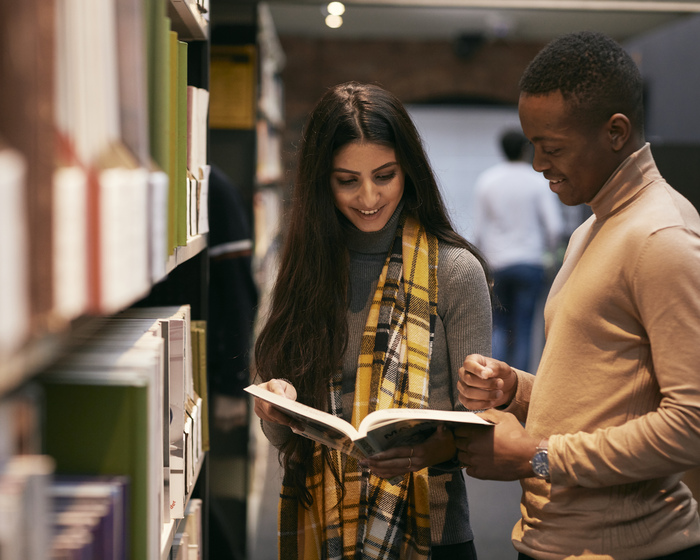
[387,177]
[346,181]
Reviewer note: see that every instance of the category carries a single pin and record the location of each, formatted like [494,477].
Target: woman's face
[367,184]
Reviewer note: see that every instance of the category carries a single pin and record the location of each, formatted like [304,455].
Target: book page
[318,425]
[389,415]
[394,427]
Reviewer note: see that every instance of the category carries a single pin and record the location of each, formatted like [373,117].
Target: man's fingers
[477,365]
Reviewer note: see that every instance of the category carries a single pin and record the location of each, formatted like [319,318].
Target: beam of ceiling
[448,19]
[665,6]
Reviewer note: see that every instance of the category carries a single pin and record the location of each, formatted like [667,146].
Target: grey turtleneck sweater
[463,327]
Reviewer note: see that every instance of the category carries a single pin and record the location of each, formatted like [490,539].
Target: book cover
[119,393]
[174,195]
[133,78]
[14,252]
[378,431]
[199,375]
[181,142]
[104,497]
[27,122]
[175,321]
[158,223]
[70,241]
[25,506]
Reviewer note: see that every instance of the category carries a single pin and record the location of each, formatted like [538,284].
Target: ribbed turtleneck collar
[373,242]
[633,175]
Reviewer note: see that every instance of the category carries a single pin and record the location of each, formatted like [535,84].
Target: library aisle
[494,507]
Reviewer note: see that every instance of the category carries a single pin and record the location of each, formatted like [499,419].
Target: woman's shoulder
[461,281]
[454,260]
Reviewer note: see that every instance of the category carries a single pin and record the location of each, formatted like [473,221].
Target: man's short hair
[513,143]
[594,74]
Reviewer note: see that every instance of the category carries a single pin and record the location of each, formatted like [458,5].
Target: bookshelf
[104,171]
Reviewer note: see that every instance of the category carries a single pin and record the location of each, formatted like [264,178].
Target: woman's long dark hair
[305,335]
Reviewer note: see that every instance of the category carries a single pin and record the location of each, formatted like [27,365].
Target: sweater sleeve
[521,401]
[665,440]
[465,310]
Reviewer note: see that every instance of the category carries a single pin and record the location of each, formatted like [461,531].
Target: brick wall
[415,71]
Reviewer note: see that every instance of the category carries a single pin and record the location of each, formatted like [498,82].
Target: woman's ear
[619,131]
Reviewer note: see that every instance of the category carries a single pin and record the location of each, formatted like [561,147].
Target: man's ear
[619,131]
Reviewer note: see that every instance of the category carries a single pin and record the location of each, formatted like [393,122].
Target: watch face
[540,464]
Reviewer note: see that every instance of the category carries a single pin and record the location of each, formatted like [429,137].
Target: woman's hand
[267,411]
[398,461]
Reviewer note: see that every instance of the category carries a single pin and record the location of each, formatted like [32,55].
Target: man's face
[576,159]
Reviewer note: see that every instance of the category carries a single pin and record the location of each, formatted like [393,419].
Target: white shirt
[518,219]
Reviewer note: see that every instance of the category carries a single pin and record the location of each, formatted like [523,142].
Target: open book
[379,430]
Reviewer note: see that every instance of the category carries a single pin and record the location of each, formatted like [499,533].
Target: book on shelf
[158,222]
[133,78]
[199,375]
[103,173]
[193,527]
[269,153]
[187,541]
[25,507]
[181,141]
[198,170]
[104,417]
[232,87]
[14,251]
[27,70]
[90,511]
[21,419]
[378,431]
[70,241]
[177,141]
[203,201]
[124,273]
[176,331]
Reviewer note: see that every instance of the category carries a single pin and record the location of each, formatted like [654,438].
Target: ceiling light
[336,8]
[333,21]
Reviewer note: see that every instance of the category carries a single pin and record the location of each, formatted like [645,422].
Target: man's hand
[500,453]
[485,383]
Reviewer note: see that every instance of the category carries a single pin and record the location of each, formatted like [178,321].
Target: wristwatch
[540,461]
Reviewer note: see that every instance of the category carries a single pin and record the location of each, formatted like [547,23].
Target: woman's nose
[369,193]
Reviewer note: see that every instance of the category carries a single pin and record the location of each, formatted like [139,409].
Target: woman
[376,304]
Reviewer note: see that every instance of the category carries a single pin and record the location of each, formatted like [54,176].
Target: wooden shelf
[40,351]
[188,20]
[23,364]
[194,246]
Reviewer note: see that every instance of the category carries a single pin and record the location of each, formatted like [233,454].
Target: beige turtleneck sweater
[618,387]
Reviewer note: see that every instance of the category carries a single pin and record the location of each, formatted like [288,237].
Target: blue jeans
[517,289]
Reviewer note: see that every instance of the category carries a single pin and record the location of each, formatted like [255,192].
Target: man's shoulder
[660,206]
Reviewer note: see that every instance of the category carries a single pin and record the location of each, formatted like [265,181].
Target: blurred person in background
[519,227]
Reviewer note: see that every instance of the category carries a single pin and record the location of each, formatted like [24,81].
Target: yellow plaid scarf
[376,519]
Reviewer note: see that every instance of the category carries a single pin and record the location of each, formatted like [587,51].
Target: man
[518,223]
[613,416]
